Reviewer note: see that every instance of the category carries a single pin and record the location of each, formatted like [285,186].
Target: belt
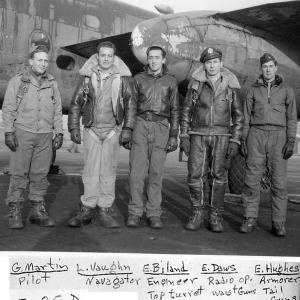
[149,116]
[269,127]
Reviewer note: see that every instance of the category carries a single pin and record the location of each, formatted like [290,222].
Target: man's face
[39,62]
[106,57]
[155,60]
[269,70]
[213,66]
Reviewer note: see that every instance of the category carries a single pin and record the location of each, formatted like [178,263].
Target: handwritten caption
[161,279]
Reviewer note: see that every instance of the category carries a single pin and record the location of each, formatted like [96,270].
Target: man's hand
[172,144]
[125,138]
[57,141]
[288,149]
[232,150]
[11,141]
[243,149]
[127,145]
[185,145]
[76,136]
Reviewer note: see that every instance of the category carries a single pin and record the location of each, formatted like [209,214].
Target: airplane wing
[122,43]
[280,19]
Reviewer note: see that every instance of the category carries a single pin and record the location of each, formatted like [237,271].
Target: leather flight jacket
[85,99]
[209,112]
[158,97]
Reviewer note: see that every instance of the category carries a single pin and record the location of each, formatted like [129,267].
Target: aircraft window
[91,21]
[65,62]
[40,37]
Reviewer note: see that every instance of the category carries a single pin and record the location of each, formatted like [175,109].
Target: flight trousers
[147,156]
[265,149]
[100,167]
[30,163]
[207,157]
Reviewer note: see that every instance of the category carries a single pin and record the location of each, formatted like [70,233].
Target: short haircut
[163,52]
[39,49]
[107,45]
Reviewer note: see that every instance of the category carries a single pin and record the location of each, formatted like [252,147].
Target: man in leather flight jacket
[211,127]
[153,137]
[106,100]
[268,139]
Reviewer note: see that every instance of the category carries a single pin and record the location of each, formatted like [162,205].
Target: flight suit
[157,106]
[105,102]
[211,117]
[32,119]
[270,120]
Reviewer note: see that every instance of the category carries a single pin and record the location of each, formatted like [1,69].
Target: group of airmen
[143,115]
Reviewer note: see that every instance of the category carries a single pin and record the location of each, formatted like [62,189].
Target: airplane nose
[176,35]
[146,34]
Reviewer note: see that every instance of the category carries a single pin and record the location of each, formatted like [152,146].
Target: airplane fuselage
[186,35]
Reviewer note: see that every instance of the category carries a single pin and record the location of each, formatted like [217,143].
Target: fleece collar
[92,63]
[278,80]
[228,79]
[97,69]
[119,68]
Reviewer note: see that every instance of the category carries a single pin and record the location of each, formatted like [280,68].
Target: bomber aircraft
[72,29]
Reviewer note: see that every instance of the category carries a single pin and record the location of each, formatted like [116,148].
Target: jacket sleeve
[237,116]
[58,118]
[248,105]
[75,108]
[9,108]
[130,103]
[174,109]
[186,113]
[291,114]
[135,88]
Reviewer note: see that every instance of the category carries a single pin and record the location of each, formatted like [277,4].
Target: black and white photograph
[155,142]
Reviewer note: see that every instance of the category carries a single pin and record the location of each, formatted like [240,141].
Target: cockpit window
[40,37]
[91,21]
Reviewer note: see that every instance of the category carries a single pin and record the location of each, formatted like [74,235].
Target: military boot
[278,229]
[39,216]
[196,218]
[15,217]
[104,218]
[155,222]
[83,217]
[248,225]
[215,221]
